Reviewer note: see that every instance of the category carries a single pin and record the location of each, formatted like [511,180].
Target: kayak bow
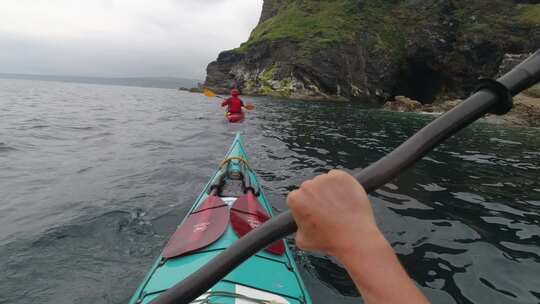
[231,204]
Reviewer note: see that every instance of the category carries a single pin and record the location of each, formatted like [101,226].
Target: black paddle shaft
[487,99]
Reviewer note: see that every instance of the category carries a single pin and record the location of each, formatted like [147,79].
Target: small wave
[502,141]
[98,135]
[105,119]
[33,127]
[154,144]
[34,120]
[477,158]
[469,197]
[38,127]
[433,187]
[79,128]
[83,170]
[196,136]
[328,271]
[6,148]
[33,123]
[47,137]
[496,185]
[430,159]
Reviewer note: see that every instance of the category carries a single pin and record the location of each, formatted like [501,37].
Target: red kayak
[235,117]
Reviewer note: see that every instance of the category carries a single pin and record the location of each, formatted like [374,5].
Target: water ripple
[5,148]
[93,180]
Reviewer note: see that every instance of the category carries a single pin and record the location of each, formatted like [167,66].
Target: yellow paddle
[209,93]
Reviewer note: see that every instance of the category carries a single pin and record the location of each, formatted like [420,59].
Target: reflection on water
[93,179]
[465,220]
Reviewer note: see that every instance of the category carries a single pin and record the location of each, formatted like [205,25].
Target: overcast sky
[121,37]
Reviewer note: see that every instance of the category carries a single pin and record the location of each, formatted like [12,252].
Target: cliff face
[373,49]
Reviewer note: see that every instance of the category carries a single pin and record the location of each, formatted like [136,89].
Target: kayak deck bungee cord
[230,206]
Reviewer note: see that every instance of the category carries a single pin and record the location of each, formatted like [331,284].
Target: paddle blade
[247,213]
[250,106]
[202,228]
[208,93]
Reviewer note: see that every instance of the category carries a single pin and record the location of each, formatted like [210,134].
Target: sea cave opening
[419,81]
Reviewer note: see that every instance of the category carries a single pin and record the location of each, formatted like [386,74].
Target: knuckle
[307,185]
[333,172]
[320,178]
[343,177]
[338,174]
[293,198]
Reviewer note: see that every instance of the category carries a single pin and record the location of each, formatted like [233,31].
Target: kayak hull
[236,117]
[266,276]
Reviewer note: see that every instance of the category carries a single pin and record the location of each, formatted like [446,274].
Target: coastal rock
[403,104]
[447,105]
[525,113]
[527,109]
[510,61]
[534,91]
[371,50]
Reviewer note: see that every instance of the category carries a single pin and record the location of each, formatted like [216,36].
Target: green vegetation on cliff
[375,49]
[319,24]
[530,14]
[313,24]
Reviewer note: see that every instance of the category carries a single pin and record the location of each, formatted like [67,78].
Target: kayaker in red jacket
[334,216]
[234,103]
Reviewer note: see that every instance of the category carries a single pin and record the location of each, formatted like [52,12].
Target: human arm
[334,216]
[226,102]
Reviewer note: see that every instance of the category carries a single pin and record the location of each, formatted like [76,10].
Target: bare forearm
[334,215]
[376,271]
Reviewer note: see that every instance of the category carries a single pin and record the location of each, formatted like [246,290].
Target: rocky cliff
[375,49]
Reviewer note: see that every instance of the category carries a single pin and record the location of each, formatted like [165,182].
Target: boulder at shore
[525,113]
[403,104]
[526,110]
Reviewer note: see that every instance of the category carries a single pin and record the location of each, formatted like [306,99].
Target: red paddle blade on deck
[247,213]
[202,228]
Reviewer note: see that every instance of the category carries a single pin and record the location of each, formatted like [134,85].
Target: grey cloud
[179,41]
[100,58]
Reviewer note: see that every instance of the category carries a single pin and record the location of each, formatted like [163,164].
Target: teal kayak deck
[265,276]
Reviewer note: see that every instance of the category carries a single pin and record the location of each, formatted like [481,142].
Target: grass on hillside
[312,23]
[530,14]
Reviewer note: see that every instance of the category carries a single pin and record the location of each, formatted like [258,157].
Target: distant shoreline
[147,82]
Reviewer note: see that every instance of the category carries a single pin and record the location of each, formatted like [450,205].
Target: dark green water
[94,179]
